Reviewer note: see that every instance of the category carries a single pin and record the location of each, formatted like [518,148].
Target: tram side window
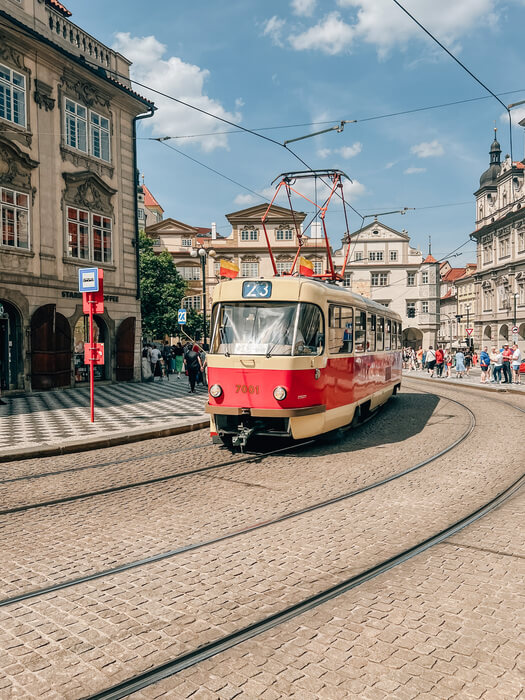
[399,336]
[310,331]
[388,331]
[380,333]
[335,333]
[347,325]
[371,335]
[360,331]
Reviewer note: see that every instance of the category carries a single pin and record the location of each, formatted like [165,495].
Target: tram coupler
[240,439]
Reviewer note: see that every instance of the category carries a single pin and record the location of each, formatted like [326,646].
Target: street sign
[88,279]
[94,301]
[94,353]
[515,329]
[181,317]
[469,331]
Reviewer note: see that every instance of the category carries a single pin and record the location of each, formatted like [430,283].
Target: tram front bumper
[265,412]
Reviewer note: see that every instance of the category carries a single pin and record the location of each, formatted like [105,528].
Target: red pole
[91,361]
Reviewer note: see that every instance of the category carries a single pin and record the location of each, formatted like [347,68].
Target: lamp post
[515,302]
[203,254]
[467,307]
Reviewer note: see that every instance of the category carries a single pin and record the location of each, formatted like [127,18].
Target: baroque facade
[500,239]
[67,184]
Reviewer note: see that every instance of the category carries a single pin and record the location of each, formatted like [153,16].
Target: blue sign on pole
[88,279]
[182,317]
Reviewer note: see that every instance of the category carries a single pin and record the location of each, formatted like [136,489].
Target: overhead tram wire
[449,53]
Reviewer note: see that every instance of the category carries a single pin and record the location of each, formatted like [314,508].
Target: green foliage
[193,326]
[162,289]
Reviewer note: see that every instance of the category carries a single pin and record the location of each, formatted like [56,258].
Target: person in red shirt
[440,359]
[507,358]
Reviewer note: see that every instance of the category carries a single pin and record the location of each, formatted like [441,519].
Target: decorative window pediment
[89,191]
[15,166]
[84,91]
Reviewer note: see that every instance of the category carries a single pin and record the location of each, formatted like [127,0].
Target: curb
[478,387]
[101,442]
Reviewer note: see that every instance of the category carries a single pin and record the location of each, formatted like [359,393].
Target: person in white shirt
[155,359]
[516,362]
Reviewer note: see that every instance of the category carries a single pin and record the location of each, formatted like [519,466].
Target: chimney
[213,230]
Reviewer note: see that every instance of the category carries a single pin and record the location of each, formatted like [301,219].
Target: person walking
[431,360]
[167,356]
[507,358]
[460,364]
[516,362]
[419,357]
[193,364]
[468,361]
[440,360]
[156,370]
[178,352]
[484,363]
[448,363]
[496,358]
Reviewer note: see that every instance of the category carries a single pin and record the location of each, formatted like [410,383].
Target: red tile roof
[430,259]
[447,295]
[59,7]
[149,199]
[453,274]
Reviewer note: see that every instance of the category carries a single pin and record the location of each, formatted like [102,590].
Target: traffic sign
[181,317]
[469,331]
[88,279]
[515,329]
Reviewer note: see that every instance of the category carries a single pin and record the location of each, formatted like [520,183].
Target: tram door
[4,349]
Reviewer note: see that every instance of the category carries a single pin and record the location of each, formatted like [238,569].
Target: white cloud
[303,7]
[428,149]
[239,102]
[517,114]
[274,29]
[414,171]
[324,152]
[384,25]
[351,151]
[331,36]
[182,80]
[390,165]
[246,200]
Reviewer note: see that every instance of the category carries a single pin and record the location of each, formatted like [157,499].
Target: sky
[295,67]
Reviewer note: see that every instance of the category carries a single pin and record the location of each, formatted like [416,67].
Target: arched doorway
[487,333]
[521,332]
[412,338]
[81,336]
[50,349]
[11,362]
[125,342]
[503,332]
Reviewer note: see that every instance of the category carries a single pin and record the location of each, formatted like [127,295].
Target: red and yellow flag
[229,269]
[306,267]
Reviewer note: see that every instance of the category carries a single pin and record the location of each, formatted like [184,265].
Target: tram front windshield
[264,328]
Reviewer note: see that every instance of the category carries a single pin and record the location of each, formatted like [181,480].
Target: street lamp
[467,307]
[516,295]
[203,254]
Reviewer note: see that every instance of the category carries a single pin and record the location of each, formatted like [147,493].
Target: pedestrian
[193,364]
[468,361]
[440,361]
[178,353]
[166,356]
[448,362]
[460,364]
[204,363]
[474,359]
[147,376]
[431,360]
[424,360]
[484,363]
[155,362]
[413,359]
[507,358]
[419,357]
[516,362]
[496,357]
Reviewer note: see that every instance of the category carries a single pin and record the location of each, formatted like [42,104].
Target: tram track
[255,526]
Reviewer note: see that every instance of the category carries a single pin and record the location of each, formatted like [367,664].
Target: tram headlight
[279,393]
[215,390]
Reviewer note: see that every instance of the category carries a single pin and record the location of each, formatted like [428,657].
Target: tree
[162,289]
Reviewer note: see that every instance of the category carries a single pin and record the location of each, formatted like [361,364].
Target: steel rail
[250,528]
[206,651]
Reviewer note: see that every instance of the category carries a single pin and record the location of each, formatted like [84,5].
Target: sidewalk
[54,422]
[473,380]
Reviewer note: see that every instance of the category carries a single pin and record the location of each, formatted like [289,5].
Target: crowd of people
[499,366]
[188,359]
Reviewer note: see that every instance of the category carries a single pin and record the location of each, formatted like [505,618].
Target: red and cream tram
[297,357]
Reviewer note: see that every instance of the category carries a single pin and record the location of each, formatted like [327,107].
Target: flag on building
[306,267]
[229,269]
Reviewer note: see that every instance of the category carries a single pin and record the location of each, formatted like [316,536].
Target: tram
[297,355]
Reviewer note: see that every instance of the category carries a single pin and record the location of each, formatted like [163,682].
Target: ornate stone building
[500,238]
[67,198]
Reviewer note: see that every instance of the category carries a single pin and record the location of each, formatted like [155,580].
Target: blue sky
[275,64]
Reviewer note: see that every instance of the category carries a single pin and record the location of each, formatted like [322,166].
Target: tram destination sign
[256,290]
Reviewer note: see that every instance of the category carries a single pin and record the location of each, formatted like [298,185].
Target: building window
[347,280]
[190,273]
[393,256]
[375,255]
[411,305]
[250,269]
[424,307]
[521,294]
[379,279]
[358,255]
[284,235]
[283,267]
[12,96]
[318,267]
[521,241]
[487,299]
[14,208]
[141,214]
[424,278]
[192,303]
[76,131]
[186,243]
[89,235]
[504,247]
[249,235]
[487,253]
[411,279]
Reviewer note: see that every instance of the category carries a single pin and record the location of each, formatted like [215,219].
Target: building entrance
[50,349]
[10,346]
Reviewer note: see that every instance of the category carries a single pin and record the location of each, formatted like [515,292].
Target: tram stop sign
[181,317]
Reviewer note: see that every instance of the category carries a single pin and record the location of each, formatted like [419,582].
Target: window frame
[411,279]
[250,274]
[92,226]
[379,279]
[251,235]
[16,208]
[376,256]
[89,130]
[284,234]
[9,86]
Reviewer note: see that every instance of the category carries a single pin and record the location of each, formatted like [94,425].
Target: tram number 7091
[246,389]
